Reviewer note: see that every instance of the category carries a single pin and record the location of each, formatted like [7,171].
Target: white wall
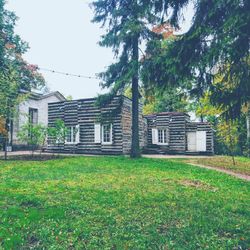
[23,112]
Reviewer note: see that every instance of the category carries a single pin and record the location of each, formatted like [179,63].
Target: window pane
[33,116]
[162,136]
[107,133]
[68,137]
[74,134]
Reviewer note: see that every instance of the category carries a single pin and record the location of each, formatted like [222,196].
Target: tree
[33,134]
[58,133]
[228,134]
[218,37]
[170,100]
[15,73]
[128,25]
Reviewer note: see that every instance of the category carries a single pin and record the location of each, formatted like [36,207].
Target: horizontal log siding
[177,130]
[86,114]
[55,112]
[175,124]
[178,124]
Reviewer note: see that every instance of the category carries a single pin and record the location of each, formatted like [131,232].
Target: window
[33,120]
[107,134]
[162,136]
[33,116]
[72,135]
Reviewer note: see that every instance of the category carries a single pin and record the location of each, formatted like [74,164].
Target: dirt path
[240,176]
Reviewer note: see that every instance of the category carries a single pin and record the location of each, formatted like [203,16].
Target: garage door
[196,141]
[201,141]
[191,141]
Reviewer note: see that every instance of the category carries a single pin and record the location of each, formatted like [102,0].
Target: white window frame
[111,134]
[164,136]
[71,128]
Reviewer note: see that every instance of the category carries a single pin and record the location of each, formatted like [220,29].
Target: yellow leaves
[228,133]
[206,108]
[148,108]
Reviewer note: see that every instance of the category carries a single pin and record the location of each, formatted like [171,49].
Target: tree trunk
[135,148]
[231,146]
[6,140]
[5,148]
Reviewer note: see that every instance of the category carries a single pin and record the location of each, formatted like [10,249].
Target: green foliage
[217,42]
[170,100]
[119,203]
[58,133]
[15,73]
[33,134]
[227,131]
[127,26]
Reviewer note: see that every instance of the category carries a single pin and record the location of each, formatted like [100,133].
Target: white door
[154,136]
[201,141]
[191,141]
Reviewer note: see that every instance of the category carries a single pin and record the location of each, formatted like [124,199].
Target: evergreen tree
[128,25]
[217,42]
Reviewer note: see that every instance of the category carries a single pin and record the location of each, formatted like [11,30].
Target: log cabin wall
[55,112]
[177,131]
[177,126]
[85,114]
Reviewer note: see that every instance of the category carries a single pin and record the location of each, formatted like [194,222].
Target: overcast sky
[62,37]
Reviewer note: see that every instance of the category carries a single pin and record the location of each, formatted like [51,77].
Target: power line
[68,74]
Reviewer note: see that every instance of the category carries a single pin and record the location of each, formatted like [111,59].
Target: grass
[225,162]
[119,203]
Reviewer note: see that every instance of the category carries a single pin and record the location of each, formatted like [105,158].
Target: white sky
[62,37]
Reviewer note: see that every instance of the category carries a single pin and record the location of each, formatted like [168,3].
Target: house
[93,130]
[174,133]
[35,109]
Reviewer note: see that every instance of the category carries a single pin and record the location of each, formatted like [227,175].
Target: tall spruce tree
[128,24]
[218,42]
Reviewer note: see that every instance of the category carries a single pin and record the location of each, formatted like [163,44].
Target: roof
[56,93]
[90,99]
[39,96]
[167,113]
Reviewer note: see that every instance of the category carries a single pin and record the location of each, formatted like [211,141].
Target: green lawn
[242,165]
[118,203]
